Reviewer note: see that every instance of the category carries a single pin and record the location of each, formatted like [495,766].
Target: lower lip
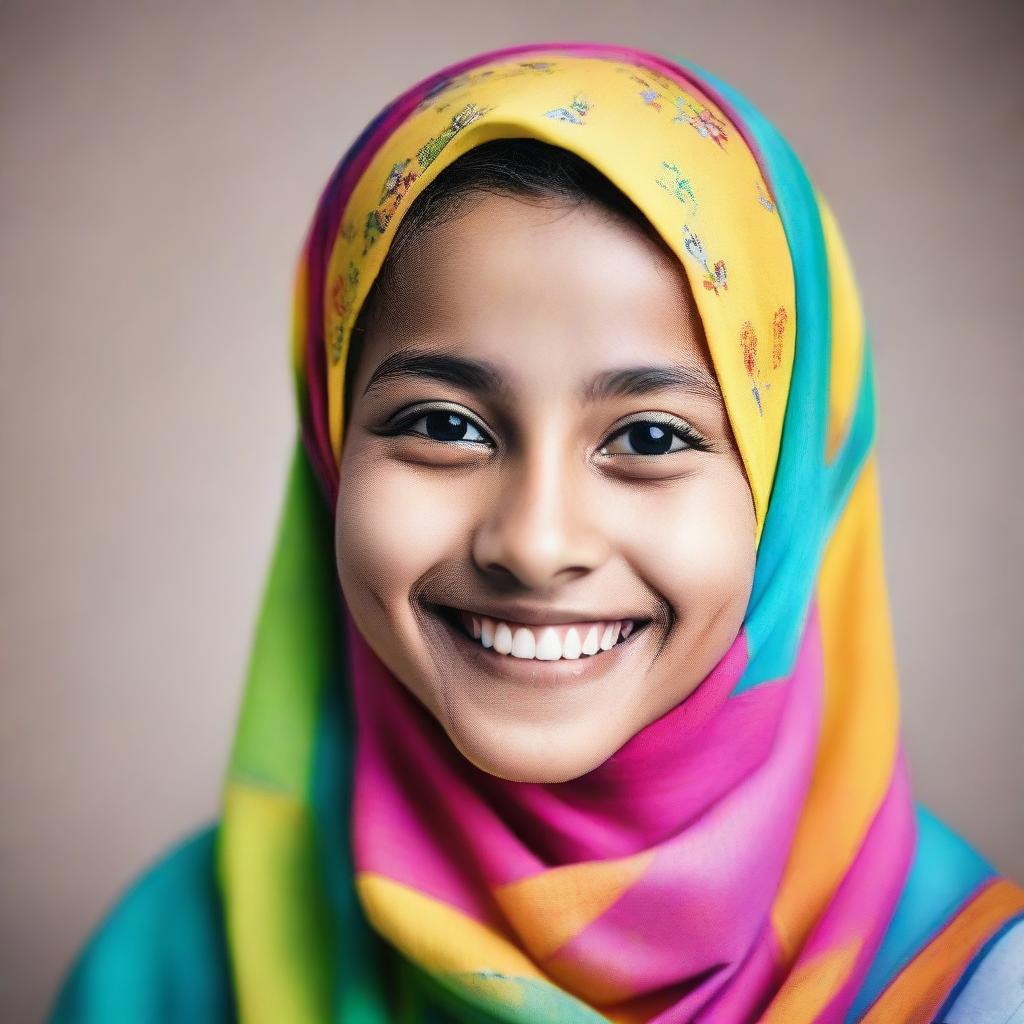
[537,672]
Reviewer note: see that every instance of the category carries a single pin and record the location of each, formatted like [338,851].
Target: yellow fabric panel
[847,351]
[273,929]
[434,934]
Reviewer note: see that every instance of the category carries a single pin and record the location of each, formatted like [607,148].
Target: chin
[521,753]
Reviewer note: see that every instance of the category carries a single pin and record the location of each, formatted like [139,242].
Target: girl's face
[537,436]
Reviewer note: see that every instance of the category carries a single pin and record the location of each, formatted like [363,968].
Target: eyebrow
[648,380]
[485,378]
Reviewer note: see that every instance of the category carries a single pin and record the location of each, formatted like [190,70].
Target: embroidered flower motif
[344,287]
[430,150]
[391,195]
[679,186]
[701,119]
[748,342]
[763,198]
[342,293]
[717,277]
[779,321]
[650,97]
[714,278]
[401,178]
[574,113]
[694,246]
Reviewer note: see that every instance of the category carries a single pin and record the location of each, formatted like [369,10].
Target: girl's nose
[541,530]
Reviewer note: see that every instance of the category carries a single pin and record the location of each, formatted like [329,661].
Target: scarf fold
[755,853]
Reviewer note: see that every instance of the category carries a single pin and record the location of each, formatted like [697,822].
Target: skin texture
[543,501]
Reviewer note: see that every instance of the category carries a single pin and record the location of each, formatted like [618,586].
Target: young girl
[573,696]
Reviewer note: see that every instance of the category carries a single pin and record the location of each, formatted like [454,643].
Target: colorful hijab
[755,853]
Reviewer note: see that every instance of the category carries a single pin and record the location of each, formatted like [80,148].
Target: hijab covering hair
[753,854]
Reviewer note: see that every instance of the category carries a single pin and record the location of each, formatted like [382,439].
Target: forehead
[514,280]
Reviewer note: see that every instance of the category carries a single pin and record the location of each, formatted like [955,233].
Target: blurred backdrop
[160,164]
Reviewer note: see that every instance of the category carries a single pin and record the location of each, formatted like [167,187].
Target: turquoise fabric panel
[160,955]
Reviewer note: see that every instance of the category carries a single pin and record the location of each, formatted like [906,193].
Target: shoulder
[160,954]
[992,989]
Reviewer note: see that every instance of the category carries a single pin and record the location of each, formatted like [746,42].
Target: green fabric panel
[297,634]
[160,955]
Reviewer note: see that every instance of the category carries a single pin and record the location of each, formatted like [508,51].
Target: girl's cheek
[697,548]
[395,523]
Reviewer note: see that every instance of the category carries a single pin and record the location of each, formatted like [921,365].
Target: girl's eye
[654,437]
[641,437]
[443,425]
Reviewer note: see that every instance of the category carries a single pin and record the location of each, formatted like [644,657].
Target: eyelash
[681,429]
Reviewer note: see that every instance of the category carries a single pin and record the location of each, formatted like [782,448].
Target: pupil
[650,439]
[445,426]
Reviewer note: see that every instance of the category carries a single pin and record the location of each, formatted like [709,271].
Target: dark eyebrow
[647,380]
[485,378]
[469,374]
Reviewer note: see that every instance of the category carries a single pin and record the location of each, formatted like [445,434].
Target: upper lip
[543,616]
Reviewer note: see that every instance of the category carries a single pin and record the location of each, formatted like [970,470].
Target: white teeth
[548,646]
[503,639]
[543,643]
[524,644]
[611,631]
[571,647]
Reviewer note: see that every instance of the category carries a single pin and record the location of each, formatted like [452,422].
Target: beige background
[159,168]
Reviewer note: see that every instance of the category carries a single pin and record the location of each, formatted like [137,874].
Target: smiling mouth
[580,641]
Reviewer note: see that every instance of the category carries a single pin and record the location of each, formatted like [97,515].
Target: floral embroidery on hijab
[429,151]
[763,198]
[706,123]
[573,113]
[748,342]
[648,93]
[680,187]
[714,277]
[400,179]
[779,321]
[391,195]
[343,293]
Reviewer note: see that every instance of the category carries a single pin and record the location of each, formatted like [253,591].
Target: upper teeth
[546,643]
